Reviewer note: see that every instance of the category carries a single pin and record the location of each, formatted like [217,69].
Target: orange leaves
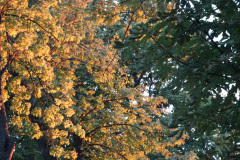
[36,130]
[185,58]
[37,112]
[75,84]
[52,116]
[79,131]
[169,8]
[69,112]
[57,151]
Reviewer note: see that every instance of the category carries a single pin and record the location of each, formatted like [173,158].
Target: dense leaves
[64,91]
[75,75]
[190,53]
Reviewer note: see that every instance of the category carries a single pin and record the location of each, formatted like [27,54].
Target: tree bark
[77,144]
[43,147]
[7,145]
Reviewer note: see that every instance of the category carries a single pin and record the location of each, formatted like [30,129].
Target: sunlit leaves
[64,84]
[38,57]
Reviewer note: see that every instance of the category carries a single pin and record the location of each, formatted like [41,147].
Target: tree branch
[109,148]
[106,126]
[34,21]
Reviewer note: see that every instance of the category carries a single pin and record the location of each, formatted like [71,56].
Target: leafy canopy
[191,49]
[65,88]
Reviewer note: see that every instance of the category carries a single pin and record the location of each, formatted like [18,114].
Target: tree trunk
[43,147]
[77,144]
[7,145]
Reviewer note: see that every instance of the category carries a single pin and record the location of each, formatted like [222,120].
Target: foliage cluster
[188,52]
[74,75]
[64,91]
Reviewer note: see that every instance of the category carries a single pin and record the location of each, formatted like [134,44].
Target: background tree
[132,46]
[189,51]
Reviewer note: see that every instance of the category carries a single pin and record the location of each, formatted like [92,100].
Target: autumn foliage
[66,89]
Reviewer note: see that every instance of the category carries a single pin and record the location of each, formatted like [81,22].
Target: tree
[131,38]
[34,56]
[65,89]
[191,68]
